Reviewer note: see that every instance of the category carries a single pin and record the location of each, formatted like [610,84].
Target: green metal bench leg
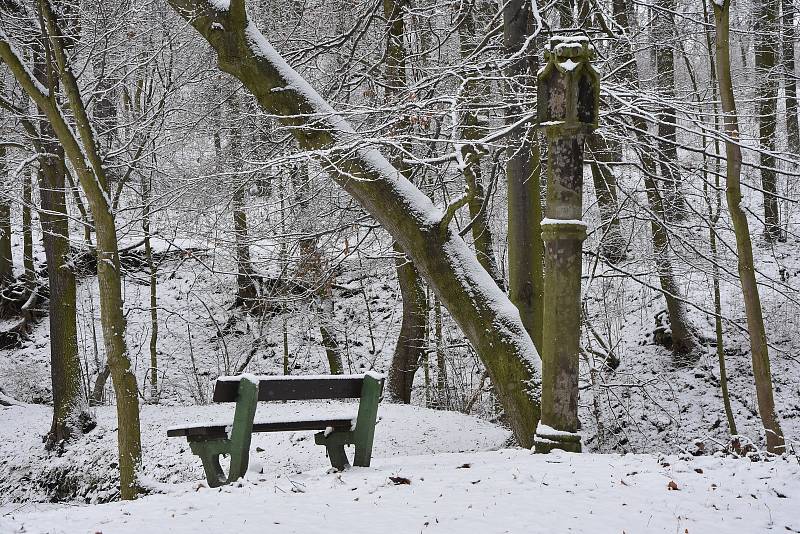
[242,430]
[334,444]
[238,446]
[364,434]
[209,452]
[337,456]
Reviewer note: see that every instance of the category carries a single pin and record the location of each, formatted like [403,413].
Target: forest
[530,264]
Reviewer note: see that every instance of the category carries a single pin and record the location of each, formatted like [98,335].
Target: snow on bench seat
[273,425]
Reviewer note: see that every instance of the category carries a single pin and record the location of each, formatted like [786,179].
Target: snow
[86,470]
[568,65]
[375,375]
[281,418]
[487,492]
[221,5]
[573,222]
[544,430]
[281,378]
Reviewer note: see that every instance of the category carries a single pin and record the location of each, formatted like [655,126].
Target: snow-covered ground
[86,471]
[482,492]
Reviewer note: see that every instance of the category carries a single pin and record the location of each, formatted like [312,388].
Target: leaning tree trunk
[744,247]
[523,169]
[408,351]
[766,16]
[476,303]
[85,159]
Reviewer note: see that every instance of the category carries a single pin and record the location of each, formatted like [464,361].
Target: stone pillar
[563,233]
[569,89]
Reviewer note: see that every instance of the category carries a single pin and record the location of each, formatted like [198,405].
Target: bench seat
[218,429]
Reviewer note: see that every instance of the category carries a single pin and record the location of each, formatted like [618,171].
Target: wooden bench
[211,440]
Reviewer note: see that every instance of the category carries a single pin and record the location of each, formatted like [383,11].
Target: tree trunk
[411,340]
[409,347]
[151,266]
[477,304]
[714,212]
[612,245]
[684,344]
[471,130]
[6,259]
[86,161]
[326,330]
[744,247]
[766,28]
[664,38]
[790,76]
[442,393]
[246,292]
[27,233]
[312,269]
[69,405]
[523,170]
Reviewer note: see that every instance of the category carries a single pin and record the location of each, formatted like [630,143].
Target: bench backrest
[280,388]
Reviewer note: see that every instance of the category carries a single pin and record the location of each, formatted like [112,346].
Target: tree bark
[65,371]
[664,38]
[409,346]
[744,247]
[790,76]
[472,128]
[411,341]
[477,304]
[6,258]
[523,170]
[766,28]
